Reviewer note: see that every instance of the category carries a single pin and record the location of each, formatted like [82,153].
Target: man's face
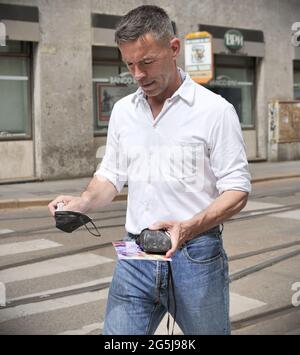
[151,63]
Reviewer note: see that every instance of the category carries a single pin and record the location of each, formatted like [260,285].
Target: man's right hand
[100,192]
[71,203]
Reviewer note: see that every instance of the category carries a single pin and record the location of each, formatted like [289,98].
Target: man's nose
[138,73]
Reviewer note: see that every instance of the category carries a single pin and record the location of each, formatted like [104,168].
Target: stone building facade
[60,73]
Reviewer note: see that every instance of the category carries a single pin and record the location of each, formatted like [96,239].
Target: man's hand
[224,207]
[179,235]
[100,192]
[71,203]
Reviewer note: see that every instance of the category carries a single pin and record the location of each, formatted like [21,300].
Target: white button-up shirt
[177,164]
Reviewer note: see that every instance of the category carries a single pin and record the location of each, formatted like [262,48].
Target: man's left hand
[178,233]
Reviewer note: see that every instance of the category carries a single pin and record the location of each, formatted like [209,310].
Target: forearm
[100,192]
[224,207]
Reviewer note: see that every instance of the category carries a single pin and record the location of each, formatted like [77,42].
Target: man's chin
[152,92]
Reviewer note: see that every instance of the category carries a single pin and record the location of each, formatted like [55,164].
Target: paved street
[57,283]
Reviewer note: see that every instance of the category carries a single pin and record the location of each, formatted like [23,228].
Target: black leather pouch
[154,241]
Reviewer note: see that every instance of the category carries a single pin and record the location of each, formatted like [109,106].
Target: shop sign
[234,39]
[199,56]
[122,79]
[226,81]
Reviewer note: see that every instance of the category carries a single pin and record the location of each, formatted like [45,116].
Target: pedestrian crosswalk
[46,301]
[51,299]
[56,266]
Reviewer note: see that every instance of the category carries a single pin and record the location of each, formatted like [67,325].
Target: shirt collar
[186,91]
[138,96]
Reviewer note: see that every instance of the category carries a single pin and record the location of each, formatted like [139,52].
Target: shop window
[297,79]
[15,88]
[234,80]
[111,82]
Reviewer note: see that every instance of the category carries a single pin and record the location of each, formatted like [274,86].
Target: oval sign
[234,39]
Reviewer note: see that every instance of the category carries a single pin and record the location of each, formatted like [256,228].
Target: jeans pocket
[204,249]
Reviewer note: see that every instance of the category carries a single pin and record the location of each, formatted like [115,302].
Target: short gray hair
[144,19]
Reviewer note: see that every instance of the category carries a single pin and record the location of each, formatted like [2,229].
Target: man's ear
[175,47]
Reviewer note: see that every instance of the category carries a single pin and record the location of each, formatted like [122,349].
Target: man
[179,147]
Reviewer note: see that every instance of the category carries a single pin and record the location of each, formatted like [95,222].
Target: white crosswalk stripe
[4,231]
[293,332]
[87,329]
[25,247]
[51,305]
[52,267]
[257,206]
[254,205]
[240,304]
[289,214]
[62,289]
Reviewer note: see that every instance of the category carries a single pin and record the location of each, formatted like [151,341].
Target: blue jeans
[138,295]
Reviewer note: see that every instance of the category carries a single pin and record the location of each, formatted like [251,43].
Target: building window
[15,88]
[297,79]
[234,80]
[111,82]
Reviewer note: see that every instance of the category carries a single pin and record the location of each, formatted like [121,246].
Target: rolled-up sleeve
[228,156]
[112,166]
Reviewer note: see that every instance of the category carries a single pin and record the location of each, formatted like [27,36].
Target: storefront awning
[21,22]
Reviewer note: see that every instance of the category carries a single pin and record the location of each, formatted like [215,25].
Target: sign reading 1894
[234,39]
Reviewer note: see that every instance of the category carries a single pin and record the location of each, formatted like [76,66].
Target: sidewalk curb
[271,178]
[22,203]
